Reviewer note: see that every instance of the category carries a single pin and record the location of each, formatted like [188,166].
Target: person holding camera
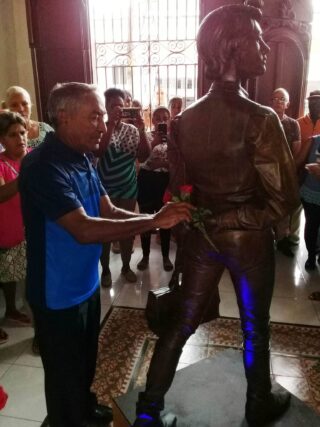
[287,230]
[122,144]
[153,180]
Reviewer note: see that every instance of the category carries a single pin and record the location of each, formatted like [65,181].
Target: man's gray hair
[220,34]
[67,97]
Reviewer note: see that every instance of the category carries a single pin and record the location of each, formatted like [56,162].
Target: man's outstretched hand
[173,213]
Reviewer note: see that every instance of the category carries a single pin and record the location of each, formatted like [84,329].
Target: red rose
[167,197]
[3,398]
[186,189]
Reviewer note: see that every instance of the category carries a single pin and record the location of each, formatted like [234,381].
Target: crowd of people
[72,187]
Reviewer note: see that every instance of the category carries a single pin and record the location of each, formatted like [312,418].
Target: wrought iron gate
[146,47]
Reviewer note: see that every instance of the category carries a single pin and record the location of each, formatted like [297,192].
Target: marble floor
[21,372]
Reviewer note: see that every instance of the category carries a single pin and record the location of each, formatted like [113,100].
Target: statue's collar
[230,87]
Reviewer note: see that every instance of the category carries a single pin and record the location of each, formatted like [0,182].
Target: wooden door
[60,44]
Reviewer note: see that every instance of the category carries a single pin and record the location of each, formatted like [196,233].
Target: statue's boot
[263,405]
[148,415]
[262,410]
[160,375]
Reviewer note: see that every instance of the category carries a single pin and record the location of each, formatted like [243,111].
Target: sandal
[18,318]
[3,336]
[315,296]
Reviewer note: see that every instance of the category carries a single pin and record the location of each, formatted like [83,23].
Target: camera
[162,129]
[130,113]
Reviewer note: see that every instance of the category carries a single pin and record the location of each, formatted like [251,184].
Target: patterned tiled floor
[21,372]
[126,346]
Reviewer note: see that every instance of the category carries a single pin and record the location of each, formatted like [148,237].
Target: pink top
[11,223]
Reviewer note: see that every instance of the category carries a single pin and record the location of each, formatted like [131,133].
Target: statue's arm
[277,181]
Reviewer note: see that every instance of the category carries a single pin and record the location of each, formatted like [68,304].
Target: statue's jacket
[235,154]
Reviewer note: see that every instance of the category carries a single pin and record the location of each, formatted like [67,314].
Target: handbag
[163,307]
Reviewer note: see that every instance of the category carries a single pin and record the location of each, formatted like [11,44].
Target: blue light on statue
[248,330]
[145,417]
[246,304]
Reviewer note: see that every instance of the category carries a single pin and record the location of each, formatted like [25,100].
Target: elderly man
[280,103]
[67,215]
[234,154]
[287,230]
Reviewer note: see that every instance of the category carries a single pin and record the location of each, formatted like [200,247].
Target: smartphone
[162,128]
[130,112]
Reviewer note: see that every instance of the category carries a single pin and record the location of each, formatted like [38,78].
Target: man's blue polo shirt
[55,180]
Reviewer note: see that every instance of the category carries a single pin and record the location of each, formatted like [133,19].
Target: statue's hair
[220,34]
[67,97]
[7,119]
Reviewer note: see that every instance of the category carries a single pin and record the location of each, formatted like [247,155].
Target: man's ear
[287,104]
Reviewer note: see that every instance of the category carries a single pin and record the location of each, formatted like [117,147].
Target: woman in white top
[18,100]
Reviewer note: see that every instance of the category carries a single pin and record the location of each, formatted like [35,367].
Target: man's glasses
[282,100]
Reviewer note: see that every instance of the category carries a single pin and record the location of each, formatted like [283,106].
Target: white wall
[15,56]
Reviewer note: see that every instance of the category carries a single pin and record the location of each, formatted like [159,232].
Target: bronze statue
[234,154]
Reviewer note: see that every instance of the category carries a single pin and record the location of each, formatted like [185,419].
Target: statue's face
[252,54]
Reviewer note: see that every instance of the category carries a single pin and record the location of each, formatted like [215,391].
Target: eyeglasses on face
[276,99]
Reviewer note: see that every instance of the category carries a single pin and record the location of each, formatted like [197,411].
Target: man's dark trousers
[68,343]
